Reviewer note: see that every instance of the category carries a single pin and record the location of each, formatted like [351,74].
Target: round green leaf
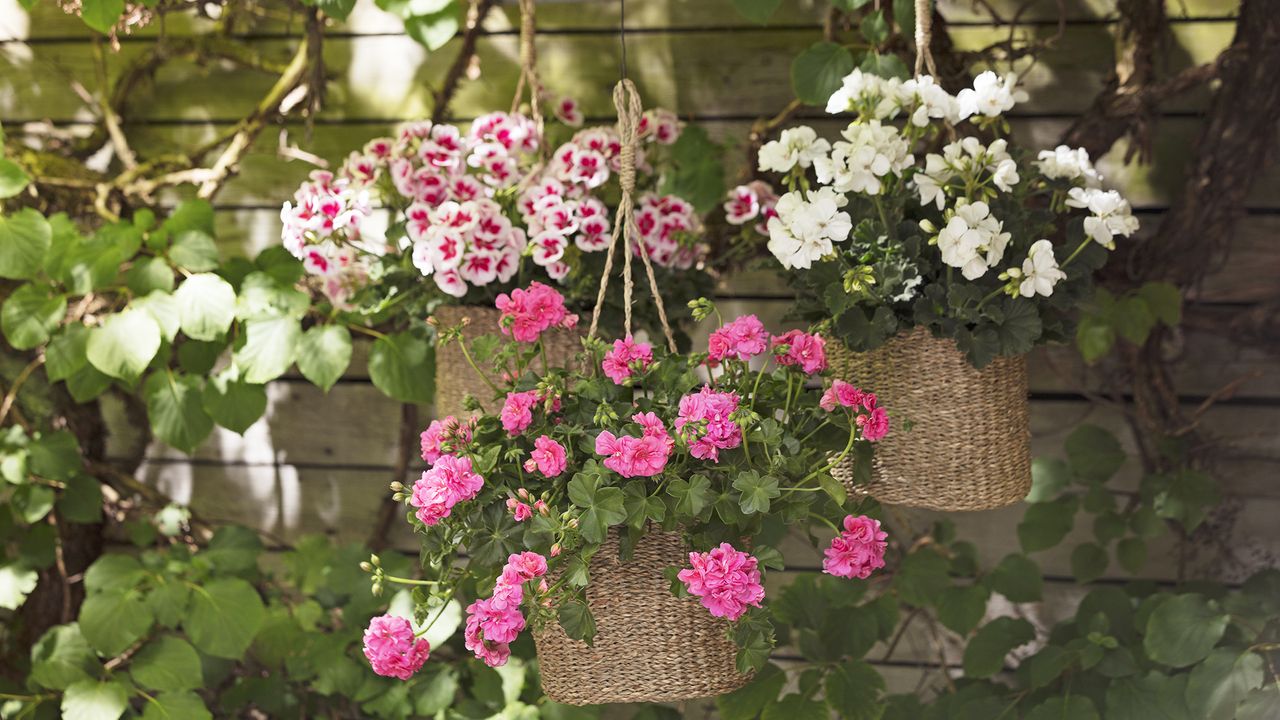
[269,349]
[163,307]
[167,663]
[1218,684]
[1074,707]
[56,456]
[984,656]
[101,15]
[113,572]
[325,354]
[401,366]
[147,274]
[30,314]
[816,73]
[1095,454]
[233,403]
[224,616]
[25,237]
[176,409]
[1018,578]
[206,306]
[65,353]
[194,251]
[961,607]
[1183,630]
[16,582]
[93,700]
[124,344]
[1088,562]
[853,691]
[112,621]
[12,178]
[81,500]
[62,657]
[176,706]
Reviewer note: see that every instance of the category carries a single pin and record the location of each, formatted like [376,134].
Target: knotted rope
[626,100]
[924,32]
[528,65]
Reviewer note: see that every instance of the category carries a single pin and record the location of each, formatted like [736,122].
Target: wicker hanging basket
[650,645]
[454,377]
[969,445]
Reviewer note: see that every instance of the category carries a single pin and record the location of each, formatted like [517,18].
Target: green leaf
[61,658]
[101,15]
[55,456]
[233,403]
[432,31]
[169,602]
[436,692]
[25,237]
[176,409]
[263,296]
[1261,704]
[93,700]
[270,347]
[1164,300]
[904,16]
[324,354]
[1049,477]
[691,495]
[1132,554]
[1094,338]
[176,706]
[874,28]
[757,492]
[796,707]
[1045,524]
[1088,562]
[1132,319]
[113,572]
[577,621]
[148,274]
[1047,665]
[1183,629]
[1154,697]
[225,615]
[1188,498]
[697,169]
[602,507]
[1074,707]
[1095,454]
[884,65]
[16,582]
[757,11]
[30,314]
[194,251]
[163,308]
[206,306]
[962,606]
[65,353]
[833,488]
[922,577]
[403,368]
[1217,685]
[32,502]
[112,621]
[854,689]
[339,10]
[745,703]
[81,500]
[985,653]
[817,72]
[124,345]
[13,179]
[167,663]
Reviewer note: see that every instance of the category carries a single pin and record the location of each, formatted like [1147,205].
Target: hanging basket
[454,377]
[969,447]
[650,645]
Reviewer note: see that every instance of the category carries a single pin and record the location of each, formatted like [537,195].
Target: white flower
[804,230]
[872,151]
[990,95]
[1005,175]
[1039,271]
[972,239]
[1064,163]
[931,182]
[857,89]
[1111,214]
[796,146]
[924,98]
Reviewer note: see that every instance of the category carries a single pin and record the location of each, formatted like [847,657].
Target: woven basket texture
[454,377]
[650,645]
[969,447]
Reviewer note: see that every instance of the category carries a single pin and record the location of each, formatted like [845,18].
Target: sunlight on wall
[382,73]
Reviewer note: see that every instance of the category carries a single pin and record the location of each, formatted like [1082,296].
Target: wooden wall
[297,471]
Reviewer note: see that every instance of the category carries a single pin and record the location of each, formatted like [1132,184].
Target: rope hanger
[924,33]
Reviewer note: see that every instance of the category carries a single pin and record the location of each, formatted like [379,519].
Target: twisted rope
[924,33]
[529,65]
[626,100]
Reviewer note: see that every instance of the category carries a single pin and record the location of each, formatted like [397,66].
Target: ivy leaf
[124,345]
[402,367]
[13,179]
[757,11]
[25,237]
[233,403]
[271,344]
[1074,707]
[224,617]
[961,607]
[1019,327]
[578,622]
[817,72]
[206,306]
[757,492]
[1088,562]
[985,653]
[112,621]
[324,354]
[692,495]
[176,409]
[854,689]
[1046,524]
[601,507]
[30,314]
[176,706]
[93,700]
[167,663]
[1183,629]
[1217,685]
[745,703]
[62,657]
[194,251]
[641,506]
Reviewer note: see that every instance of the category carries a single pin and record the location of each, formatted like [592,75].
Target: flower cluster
[517,409]
[754,201]
[494,623]
[741,339]
[449,481]
[857,550]
[392,649]
[874,422]
[445,437]
[667,226]
[626,358]
[643,456]
[797,348]
[527,313]
[726,580]
[706,423]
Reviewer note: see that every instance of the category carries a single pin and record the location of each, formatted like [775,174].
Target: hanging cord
[924,33]
[529,65]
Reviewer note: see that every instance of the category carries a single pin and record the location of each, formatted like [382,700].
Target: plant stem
[853,435]
[1076,252]
[467,354]
[443,606]
[410,581]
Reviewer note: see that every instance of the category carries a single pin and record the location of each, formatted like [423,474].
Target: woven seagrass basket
[650,645]
[454,377]
[969,447]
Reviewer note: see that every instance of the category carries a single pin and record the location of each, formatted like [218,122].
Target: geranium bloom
[803,350]
[990,95]
[741,339]
[519,511]
[804,229]
[872,151]
[1111,214]
[841,393]
[443,437]
[704,423]
[490,630]
[392,649]
[450,481]
[527,565]
[517,411]
[1065,163]
[875,424]
[644,456]
[527,313]
[1039,271]
[727,581]
[972,239]
[568,112]
[856,551]
[548,457]
[797,146]
[625,355]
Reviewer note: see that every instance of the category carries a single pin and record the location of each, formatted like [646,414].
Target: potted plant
[624,513]
[938,254]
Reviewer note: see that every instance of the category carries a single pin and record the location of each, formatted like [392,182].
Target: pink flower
[392,649]
[742,206]
[443,437]
[450,481]
[875,424]
[741,339]
[548,456]
[526,565]
[704,423]
[856,551]
[527,313]
[727,580]
[567,112]
[519,511]
[517,411]
[842,393]
[626,354]
[644,456]
[490,630]
[805,351]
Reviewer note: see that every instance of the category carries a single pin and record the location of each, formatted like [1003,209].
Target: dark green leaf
[1154,697]
[796,707]
[113,620]
[816,73]
[578,623]
[148,274]
[113,572]
[1046,524]
[962,606]
[55,455]
[176,409]
[1074,707]
[225,615]
[30,315]
[1164,300]
[1132,554]
[922,577]
[402,367]
[747,702]
[1132,319]
[854,689]
[81,500]
[167,663]
[1088,562]
[757,492]
[874,28]
[691,495]
[1217,685]
[1261,704]
[1018,578]
[176,706]
[985,653]
[25,237]
[1183,629]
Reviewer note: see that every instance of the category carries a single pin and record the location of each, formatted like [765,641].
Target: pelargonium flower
[619,362]
[661,126]
[490,630]
[450,480]
[803,350]
[548,457]
[526,565]
[742,339]
[324,208]
[666,224]
[753,201]
[726,580]
[443,437]
[875,424]
[857,550]
[643,456]
[843,394]
[568,112]
[1111,214]
[392,649]
[705,423]
[797,146]
[517,411]
[527,313]
[991,95]
[519,511]
[804,229]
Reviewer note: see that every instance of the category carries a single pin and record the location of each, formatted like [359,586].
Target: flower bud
[555,550]
[573,523]
[397,486]
[365,566]
[376,562]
